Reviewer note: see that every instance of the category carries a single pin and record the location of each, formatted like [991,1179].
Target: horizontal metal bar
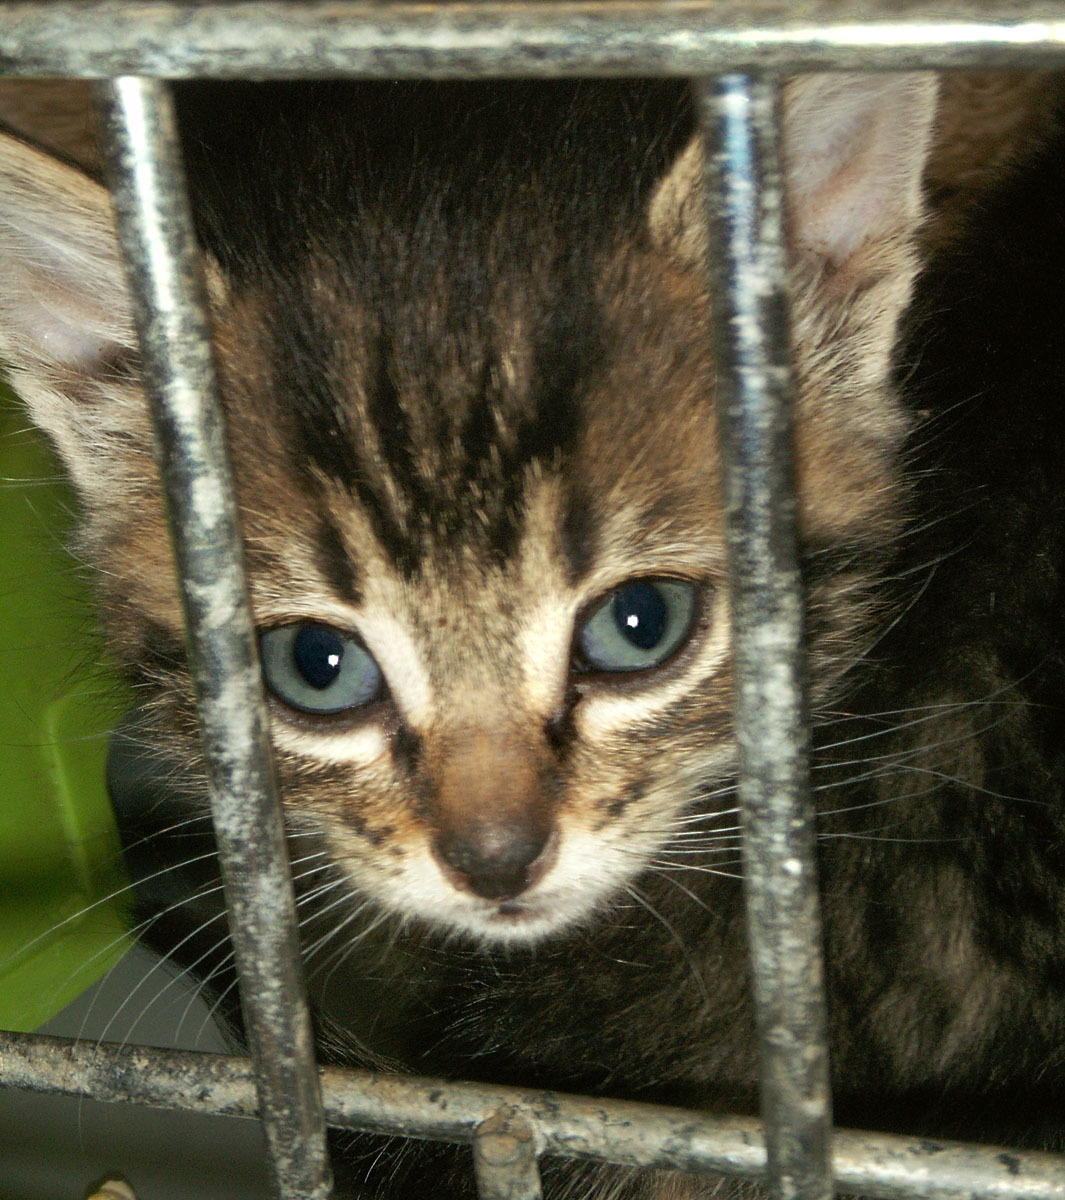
[746,264]
[155,228]
[629,1134]
[446,39]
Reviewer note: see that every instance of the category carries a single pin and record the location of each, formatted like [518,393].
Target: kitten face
[509,762]
[472,425]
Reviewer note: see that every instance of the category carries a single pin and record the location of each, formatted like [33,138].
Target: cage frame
[735,66]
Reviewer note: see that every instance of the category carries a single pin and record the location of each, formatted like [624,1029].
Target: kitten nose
[489,808]
[496,859]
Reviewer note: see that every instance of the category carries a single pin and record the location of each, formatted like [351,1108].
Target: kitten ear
[66,328]
[854,149]
[63,297]
[854,153]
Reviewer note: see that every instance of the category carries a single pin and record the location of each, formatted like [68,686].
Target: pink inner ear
[839,224]
[60,340]
[63,299]
[62,296]
[855,147]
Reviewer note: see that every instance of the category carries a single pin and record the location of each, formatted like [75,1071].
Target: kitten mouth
[518,926]
[515,921]
[518,917]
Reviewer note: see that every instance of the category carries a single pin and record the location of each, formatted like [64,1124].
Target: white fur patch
[389,641]
[359,746]
[543,644]
[585,874]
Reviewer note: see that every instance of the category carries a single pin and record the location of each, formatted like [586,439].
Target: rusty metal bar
[444,39]
[746,262]
[156,232]
[867,1164]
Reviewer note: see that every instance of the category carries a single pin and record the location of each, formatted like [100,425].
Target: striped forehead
[433,414]
[426,305]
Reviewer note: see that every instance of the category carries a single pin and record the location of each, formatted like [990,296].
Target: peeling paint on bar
[746,262]
[874,1165]
[441,38]
[155,228]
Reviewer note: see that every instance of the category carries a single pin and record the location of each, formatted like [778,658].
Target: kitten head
[470,400]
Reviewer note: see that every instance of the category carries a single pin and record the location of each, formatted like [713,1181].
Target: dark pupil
[317,653]
[641,614]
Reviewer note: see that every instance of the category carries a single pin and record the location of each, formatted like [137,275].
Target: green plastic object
[63,888]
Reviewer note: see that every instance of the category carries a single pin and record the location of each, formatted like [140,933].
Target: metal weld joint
[504,1157]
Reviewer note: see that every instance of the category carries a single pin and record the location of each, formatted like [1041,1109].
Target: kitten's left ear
[855,148]
[854,151]
[66,327]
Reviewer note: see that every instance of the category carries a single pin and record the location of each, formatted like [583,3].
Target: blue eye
[315,669]
[638,625]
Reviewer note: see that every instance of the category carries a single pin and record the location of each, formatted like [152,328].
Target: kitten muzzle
[491,821]
[497,860]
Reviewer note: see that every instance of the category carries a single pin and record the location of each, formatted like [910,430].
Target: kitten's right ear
[854,147]
[66,327]
[63,300]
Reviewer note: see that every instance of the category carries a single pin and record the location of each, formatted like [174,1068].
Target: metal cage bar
[505,1150]
[866,1164]
[746,263]
[441,38]
[156,232]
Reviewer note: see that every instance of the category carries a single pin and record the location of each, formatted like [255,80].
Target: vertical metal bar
[746,265]
[504,1158]
[156,231]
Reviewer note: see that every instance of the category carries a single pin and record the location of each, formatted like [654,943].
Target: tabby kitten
[462,337]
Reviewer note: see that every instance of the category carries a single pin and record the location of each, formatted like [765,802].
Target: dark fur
[423,183]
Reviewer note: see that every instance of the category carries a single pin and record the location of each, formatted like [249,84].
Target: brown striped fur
[463,343]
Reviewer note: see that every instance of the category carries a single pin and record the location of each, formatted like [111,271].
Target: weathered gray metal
[438,38]
[864,1164]
[746,261]
[157,236]
[504,1157]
